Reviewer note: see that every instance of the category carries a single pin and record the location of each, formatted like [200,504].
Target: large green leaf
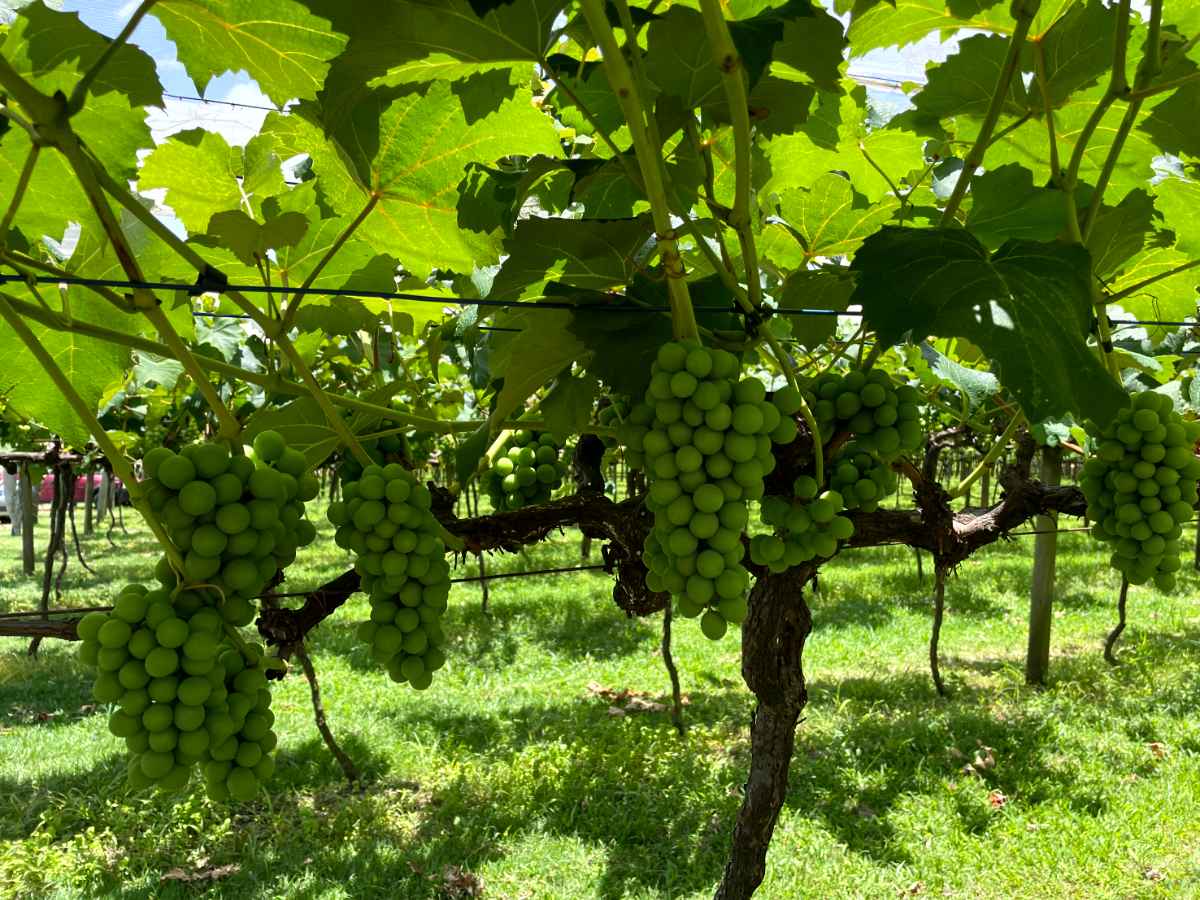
[302,423]
[583,253]
[1028,307]
[816,289]
[282,46]
[1006,204]
[904,22]
[53,50]
[1173,125]
[1075,51]
[836,138]
[414,41]
[1120,231]
[1178,200]
[203,175]
[1171,298]
[830,219]
[528,360]
[113,132]
[1027,144]
[411,148]
[90,365]
[964,83]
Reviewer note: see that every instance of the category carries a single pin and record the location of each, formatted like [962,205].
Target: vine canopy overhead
[478,150]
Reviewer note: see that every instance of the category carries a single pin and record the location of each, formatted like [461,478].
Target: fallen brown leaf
[201,874]
[458,882]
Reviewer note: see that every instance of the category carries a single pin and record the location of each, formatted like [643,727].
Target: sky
[238,124]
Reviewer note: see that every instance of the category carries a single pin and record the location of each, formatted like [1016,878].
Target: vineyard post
[88,501]
[1041,591]
[11,500]
[28,517]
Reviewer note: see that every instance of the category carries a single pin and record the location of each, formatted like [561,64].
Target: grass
[511,770]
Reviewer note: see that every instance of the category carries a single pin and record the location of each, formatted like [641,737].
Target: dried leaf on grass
[201,873]
[625,701]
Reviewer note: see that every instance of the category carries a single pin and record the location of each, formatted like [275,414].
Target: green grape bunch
[388,449]
[180,693]
[706,438]
[884,417]
[1140,485]
[860,478]
[807,526]
[385,520]
[242,760]
[237,520]
[529,469]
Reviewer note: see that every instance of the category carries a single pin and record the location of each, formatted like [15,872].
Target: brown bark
[773,638]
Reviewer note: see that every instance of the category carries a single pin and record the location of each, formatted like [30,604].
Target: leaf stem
[19,192]
[88,416]
[289,315]
[79,94]
[1148,68]
[729,62]
[1024,11]
[650,162]
[336,422]
[1141,285]
[230,427]
[1039,58]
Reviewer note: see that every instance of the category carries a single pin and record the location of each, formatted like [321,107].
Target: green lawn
[510,768]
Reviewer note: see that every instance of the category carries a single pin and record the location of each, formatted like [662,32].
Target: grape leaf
[54,49]
[1178,200]
[1173,125]
[1005,204]
[1076,51]
[589,86]
[584,253]
[974,384]
[904,22]
[112,131]
[529,359]
[830,219]
[91,366]
[250,240]
[470,451]
[302,424]
[567,408]
[411,149]
[1120,231]
[1172,298]
[816,289]
[963,84]
[417,41]
[1027,145]
[1027,306]
[283,47]
[836,138]
[203,175]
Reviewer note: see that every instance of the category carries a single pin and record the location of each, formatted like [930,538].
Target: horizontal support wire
[454,301]
[38,614]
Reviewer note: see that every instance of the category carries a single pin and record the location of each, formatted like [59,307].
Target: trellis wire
[474,578]
[464,301]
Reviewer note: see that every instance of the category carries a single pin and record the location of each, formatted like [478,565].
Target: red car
[46,491]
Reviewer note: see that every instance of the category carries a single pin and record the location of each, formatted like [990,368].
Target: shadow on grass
[44,692]
[570,623]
